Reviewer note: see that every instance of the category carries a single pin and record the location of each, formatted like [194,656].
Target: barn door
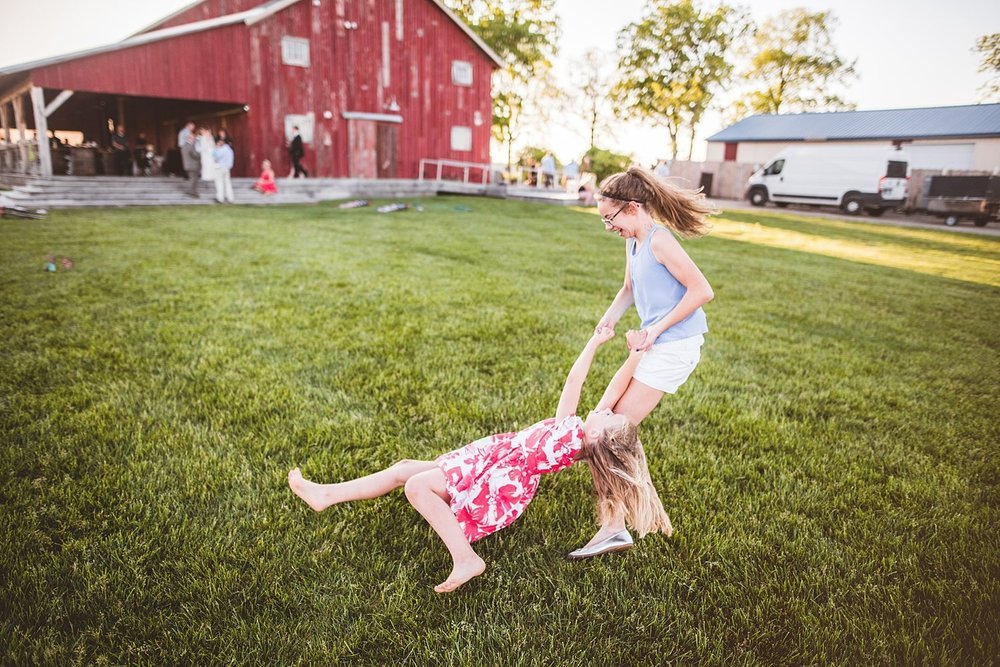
[385,150]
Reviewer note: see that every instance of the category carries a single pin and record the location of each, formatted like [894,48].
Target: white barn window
[461,73]
[305,123]
[461,138]
[295,51]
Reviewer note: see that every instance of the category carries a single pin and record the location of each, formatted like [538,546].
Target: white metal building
[957,138]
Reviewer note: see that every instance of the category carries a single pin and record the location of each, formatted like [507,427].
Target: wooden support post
[42,131]
[5,122]
[5,155]
[22,130]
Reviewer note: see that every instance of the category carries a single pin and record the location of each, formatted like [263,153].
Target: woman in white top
[206,144]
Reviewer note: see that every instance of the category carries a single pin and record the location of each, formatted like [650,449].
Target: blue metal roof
[974,120]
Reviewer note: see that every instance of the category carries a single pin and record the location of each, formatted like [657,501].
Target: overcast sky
[910,53]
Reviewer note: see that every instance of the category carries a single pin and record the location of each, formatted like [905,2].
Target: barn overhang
[27,108]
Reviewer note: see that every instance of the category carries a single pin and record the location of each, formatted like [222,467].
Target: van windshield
[774,168]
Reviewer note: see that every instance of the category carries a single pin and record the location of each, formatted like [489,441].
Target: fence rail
[20,157]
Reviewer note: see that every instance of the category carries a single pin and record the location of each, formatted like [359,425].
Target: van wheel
[758,196]
[875,212]
[781,204]
[951,220]
[851,205]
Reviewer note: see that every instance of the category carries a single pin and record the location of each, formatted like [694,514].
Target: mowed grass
[831,467]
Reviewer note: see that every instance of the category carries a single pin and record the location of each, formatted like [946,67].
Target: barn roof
[249,17]
[974,120]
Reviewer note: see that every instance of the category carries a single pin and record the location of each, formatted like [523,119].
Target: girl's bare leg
[321,496]
[636,404]
[427,492]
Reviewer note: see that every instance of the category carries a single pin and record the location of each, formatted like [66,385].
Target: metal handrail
[485,169]
[20,157]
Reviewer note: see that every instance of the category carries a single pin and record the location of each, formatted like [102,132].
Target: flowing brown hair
[681,209]
[622,482]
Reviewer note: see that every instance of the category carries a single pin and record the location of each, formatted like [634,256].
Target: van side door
[771,176]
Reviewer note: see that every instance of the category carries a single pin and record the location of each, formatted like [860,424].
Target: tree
[603,163]
[795,65]
[592,81]
[523,33]
[673,62]
[989,47]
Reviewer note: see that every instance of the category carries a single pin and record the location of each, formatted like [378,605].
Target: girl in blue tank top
[668,291]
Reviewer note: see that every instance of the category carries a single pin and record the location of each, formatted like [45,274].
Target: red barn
[374,85]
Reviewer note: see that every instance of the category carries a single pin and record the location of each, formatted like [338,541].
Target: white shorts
[666,366]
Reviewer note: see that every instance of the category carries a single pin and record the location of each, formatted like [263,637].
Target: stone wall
[729,179]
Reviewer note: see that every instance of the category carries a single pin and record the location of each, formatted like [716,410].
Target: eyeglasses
[609,221]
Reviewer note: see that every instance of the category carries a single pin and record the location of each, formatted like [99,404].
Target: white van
[855,178]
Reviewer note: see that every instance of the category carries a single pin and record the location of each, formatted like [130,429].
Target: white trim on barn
[381,117]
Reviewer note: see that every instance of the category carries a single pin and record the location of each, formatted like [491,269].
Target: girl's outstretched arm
[578,374]
[619,383]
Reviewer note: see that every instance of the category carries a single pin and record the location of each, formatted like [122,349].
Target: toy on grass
[50,263]
[66,263]
[357,203]
[392,208]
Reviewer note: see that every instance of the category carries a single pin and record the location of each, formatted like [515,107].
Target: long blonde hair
[681,209]
[622,483]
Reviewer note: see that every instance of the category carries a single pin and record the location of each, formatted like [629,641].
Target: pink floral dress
[492,480]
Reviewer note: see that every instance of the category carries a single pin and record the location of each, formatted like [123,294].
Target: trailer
[955,198]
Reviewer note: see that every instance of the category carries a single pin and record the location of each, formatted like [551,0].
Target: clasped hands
[638,341]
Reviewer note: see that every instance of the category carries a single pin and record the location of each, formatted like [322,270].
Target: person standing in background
[206,147]
[223,156]
[119,144]
[140,153]
[297,151]
[548,170]
[182,136]
[191,159]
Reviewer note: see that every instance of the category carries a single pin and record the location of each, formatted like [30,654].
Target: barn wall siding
[397,60]
[200,66]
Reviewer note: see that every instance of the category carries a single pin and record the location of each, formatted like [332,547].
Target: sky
[910,53]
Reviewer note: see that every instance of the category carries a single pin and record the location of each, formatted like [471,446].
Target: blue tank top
[657,292]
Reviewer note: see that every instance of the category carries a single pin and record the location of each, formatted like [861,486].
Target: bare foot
[461,573]
[314,494]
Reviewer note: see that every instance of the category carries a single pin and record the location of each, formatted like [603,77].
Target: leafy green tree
[531,155]
[603,163]
[795,66]
[989,47]
[523,33]
[674,61]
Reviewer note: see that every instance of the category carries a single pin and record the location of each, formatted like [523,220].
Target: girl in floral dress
[474,491]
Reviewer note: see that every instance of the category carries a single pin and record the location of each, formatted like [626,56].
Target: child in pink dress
[474,491]
[265,183]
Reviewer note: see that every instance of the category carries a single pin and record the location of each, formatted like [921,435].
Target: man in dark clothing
[297,151]
[119,145]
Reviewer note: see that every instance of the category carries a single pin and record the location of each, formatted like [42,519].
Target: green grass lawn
[831,467]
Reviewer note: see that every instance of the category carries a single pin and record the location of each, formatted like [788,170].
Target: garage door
[940,156]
